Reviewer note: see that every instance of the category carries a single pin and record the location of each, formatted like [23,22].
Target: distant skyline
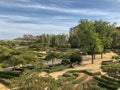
[36,17]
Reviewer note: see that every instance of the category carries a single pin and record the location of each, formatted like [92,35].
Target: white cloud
[35,29]
[58,9]
[67,10]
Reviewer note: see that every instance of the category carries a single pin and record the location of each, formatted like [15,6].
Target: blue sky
[18,17]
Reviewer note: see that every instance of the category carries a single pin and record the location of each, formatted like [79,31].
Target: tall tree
[105,30]
[116,39]
[89,39]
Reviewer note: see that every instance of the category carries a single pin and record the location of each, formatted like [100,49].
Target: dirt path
[81,75]
[88,78]
[86,64]
[2,87]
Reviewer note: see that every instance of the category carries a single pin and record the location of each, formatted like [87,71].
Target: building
[118,28]
[27,37]
[72,30]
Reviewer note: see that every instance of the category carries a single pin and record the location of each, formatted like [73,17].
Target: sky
[36,17]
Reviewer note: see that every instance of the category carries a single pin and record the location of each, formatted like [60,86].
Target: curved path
[2,87]
[86,64]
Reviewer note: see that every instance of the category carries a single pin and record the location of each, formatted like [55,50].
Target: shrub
[68,87]
[110,79]
[75,58]
[106,83]
[80,80]
[56,68]
[66,75]
[116,57]
[3,81]
[65,61]
[15,74]
[76,74]
[6,76]
[65,79]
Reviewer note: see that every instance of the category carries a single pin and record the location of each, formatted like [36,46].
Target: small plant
[116,57]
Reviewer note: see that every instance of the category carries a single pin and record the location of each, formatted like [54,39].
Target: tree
[15,60]
[89,39]
[105,30]
[116,39]
[74,41]
[75,58]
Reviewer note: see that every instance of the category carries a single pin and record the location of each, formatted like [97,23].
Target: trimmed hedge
[106,62]
[4,82]
[107,84]
[56,68]
[84,71]
[76,74]
[6,76]
[80,80]
[14,74]
[66,75]
[110,79]
[67,79]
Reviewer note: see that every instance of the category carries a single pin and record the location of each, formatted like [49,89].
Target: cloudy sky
[18,17]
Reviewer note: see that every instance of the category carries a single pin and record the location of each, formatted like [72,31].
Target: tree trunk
[101,55]
[92,58]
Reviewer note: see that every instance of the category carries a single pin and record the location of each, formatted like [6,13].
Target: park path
[86,65]
[2,87]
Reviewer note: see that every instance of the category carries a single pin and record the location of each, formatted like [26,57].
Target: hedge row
[6,76]
[80,80]
[110,79]
[66,75]
[3,81]
[107,84]
[56,68]
[64,79]
[14,74]
[84,71]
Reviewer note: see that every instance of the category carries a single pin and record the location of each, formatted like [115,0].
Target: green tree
[75,58]
[116,39]
[89,39]
[74,41]
[105,30]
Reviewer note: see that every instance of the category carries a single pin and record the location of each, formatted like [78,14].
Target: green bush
[107,84]
[106,62]
[56,68]
[65,79]
[80,80]
[110,79]
[6,76]
[66,75]
[75,57]
[3,81]
[68,87]
[15,74]
[76,74]
[116,57]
